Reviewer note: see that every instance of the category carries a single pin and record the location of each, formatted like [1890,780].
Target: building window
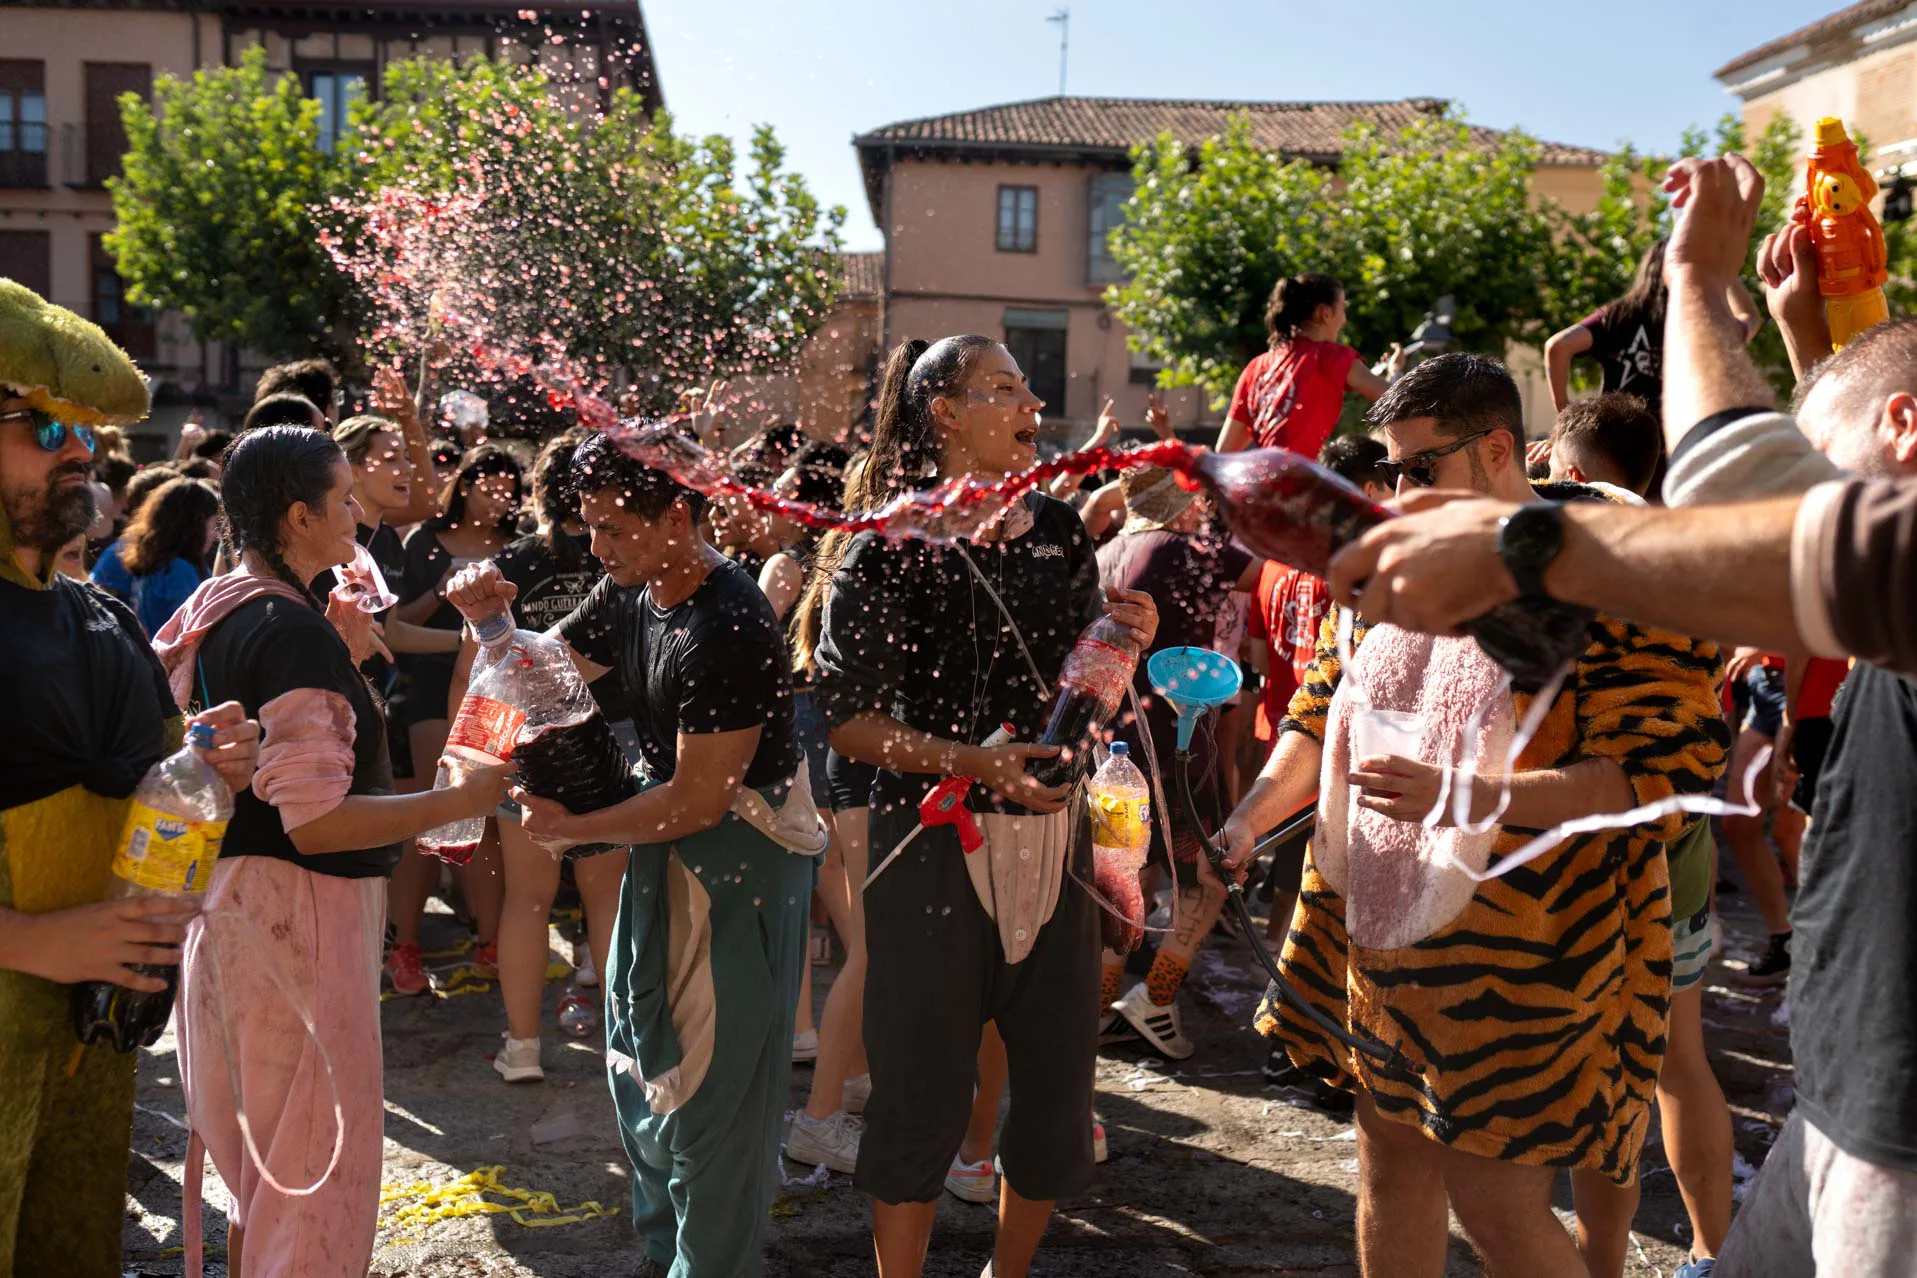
[1036,339]
[105,133]
[23,123]
[26,257]
[1109,194]
[336,88]
[1018,219]
[129,325]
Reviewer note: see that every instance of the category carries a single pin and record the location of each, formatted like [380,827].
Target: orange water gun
[1851,263]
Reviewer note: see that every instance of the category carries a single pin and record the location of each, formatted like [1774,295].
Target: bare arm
[1407,790]
[371,821]
[880,739]
[1234,436]
[404,636]
[1749,318]
[394,399]
[706,777]
[781,580]
[1287,783]
[1706,368]
[1101,509]
[1563,347]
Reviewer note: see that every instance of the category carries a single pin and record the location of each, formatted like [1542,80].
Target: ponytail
[1295,299]
[262,476]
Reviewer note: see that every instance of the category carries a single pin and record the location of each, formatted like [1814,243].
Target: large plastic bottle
[1097,671]
[525,702]
[1121,808]
[169,844]
[1288,508]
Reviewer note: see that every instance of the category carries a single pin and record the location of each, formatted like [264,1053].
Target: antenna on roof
[1064,20]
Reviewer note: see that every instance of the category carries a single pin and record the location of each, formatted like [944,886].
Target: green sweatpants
[705,1172]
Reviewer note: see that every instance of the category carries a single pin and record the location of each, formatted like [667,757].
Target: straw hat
[1153,498]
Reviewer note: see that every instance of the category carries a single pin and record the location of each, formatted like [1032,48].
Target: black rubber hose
[1235,898]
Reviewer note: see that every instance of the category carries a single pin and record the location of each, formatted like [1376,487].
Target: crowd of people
[786,700]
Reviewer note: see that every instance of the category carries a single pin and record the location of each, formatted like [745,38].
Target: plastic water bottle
[167,848]
[1121,809]
[525,701]
[1097,671]
[578,1012]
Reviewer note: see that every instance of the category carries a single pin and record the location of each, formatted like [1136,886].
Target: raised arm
[1560,349]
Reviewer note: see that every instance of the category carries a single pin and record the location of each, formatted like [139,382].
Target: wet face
[993,418]
[384,476]
[46,493]
[324,535]
[631,548]
[490,499]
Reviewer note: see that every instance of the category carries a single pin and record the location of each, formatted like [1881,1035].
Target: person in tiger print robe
[1526,1013]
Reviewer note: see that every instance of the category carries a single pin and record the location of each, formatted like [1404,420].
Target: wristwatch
[1529,538]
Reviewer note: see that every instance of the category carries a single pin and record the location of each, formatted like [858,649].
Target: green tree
[603,236]
[1406,219]
[215,210]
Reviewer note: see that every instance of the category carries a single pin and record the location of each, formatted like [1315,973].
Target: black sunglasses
[49,432]
[1417,467]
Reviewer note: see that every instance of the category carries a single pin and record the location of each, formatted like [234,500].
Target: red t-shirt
[1823,676]
[1291,395]
[1287,612]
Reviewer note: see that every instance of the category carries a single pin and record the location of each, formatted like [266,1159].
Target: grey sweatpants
[1815,1210]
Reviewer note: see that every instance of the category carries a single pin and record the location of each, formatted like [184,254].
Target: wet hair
[599,465]
[482,462]
[214,445]
[1644,301]
[1462,393]
[1295,299]
[201,468]
[281,410]
[555,499]
[355,435]
[819,473]
[115,471]
[145,484]
[1358,458]
[267,471]
[1616,433]
[171,525]
[312,379]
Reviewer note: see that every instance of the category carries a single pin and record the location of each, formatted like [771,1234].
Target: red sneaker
[486,960]
[406,971]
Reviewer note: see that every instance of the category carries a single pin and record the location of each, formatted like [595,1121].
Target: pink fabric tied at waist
[273,933]
[178,642]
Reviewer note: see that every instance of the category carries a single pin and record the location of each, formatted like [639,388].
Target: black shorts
[1810,739]
[809,726]
[848,781]
[936,974]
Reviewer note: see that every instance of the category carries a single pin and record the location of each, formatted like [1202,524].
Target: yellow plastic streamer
[427,1204]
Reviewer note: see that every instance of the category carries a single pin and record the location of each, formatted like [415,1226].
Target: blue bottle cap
[201,735]
[1120,750]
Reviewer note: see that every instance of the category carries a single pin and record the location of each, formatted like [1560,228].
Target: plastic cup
[363,585]
[1375,733]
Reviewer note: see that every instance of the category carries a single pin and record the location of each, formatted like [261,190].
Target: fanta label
[488,726]
[166,853]
[1119,821]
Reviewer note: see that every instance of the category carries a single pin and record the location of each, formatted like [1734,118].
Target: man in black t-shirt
[705,962]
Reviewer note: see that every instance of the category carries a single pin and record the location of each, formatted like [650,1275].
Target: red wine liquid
[451,853]
[581,765]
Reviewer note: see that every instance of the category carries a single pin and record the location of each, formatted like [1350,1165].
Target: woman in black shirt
[295,908]
[478,516]
[925,649]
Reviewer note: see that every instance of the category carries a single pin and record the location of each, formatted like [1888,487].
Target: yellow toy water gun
[1835,207]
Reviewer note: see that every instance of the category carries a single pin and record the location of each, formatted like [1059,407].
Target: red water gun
[944,804]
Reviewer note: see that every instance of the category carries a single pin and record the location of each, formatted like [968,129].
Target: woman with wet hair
[163,554]
[296,905]
[478,517]
[924,650]
[1290,396]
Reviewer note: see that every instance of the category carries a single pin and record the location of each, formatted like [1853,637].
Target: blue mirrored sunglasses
[49,432]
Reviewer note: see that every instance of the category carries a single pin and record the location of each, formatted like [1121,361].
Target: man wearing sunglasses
[1527,1011]
[84,712]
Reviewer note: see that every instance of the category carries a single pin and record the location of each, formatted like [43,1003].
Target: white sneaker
[823,1142]
[805,1046]
[1157,1025]
[1114,1028]
[973,1182]
[858,1090]
[583,972]
[518,1061]
[1101,1150]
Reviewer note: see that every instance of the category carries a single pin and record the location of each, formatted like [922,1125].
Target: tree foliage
[215,210]
[597,232]
[1432,210]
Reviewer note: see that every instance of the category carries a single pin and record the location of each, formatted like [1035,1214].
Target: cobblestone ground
[1208,1176]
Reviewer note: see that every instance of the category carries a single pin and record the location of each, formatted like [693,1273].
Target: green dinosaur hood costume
[84,712]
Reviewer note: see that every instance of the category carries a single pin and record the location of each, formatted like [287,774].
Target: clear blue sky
[821,71]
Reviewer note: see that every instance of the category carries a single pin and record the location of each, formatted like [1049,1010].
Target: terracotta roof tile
[1308,129]
[1828,27]
[861,275]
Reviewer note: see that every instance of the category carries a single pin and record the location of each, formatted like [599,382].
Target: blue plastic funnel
[1193,680]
